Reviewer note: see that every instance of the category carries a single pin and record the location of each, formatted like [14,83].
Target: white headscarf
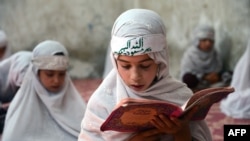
[12,71]
[38,115]
[135,32]
[4,43]
[237,104]
[196,61]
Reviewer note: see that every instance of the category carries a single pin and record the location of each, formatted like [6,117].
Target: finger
[178,123]
[167,121]
[158,125]
[163,123]
[160,121]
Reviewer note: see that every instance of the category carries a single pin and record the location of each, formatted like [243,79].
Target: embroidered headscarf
[135,32]
[237,104]
[35,113]
[4,43]
[196,61]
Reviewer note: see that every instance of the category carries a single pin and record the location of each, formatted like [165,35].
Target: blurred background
[84,27]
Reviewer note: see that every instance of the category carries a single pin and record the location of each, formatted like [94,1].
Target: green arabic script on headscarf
[134,46]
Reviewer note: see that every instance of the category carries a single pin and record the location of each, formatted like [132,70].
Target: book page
[204,99]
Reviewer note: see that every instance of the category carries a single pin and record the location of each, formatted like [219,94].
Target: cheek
[123,73]
[44,80]
[62,79]
[151,75]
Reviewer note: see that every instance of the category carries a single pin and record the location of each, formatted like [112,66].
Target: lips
[55,87]
[137,87]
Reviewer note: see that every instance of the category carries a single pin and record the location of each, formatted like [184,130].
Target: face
[2,51]
[206,44]
[138,72]
[52,80]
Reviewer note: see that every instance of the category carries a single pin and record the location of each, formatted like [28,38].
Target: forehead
[134,59]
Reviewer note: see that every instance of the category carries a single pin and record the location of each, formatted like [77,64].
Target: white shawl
[4,43]
[135,23]
[237,104]
[12,71]
[199,62]
[38,115]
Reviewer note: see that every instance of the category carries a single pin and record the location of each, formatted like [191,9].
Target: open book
[132,115]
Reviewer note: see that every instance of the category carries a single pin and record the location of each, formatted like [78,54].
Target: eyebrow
[148,59]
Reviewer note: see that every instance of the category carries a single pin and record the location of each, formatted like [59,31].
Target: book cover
[132,115]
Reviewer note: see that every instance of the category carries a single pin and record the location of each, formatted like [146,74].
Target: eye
[62,74]
[49,74]
[123,65]
[126,66]
[145,66]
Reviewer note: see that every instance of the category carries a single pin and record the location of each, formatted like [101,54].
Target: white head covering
[135,32]
[108,64]
[38,115]
[237,104]
[197,61]
[202,32]
[4,43]
[12,71]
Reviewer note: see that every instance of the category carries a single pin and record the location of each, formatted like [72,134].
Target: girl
[12,71]
[47,106]
[201,65]
[139,55]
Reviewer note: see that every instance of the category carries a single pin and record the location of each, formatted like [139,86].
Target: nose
[56,79]
[135,74]
[209,42]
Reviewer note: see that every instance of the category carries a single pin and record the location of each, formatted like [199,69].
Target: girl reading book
[140,61]
[47,106]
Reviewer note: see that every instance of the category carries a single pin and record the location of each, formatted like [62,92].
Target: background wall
[84,27]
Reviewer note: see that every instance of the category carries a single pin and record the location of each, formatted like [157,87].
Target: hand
[179,128]
[149,135]
[212,77]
